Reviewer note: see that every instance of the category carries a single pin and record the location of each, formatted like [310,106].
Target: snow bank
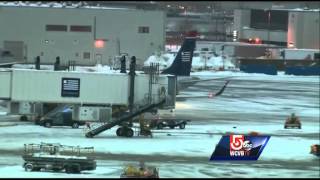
[198,62]
[97,68]
[164,60]
[57,5]
[220,62]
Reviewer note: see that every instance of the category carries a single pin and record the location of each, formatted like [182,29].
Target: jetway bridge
[91,88]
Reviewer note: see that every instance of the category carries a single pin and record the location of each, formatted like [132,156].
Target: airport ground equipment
[144,129]
[60,118]
[292,122]
[57,157]
[75,115]
[149,103]
[140,171]
[172,123]
[315,150]
[124,130]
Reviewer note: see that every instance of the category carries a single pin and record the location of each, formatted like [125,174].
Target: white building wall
[27,24]
[241,20]
[278,36]
[5,86]
[310,32]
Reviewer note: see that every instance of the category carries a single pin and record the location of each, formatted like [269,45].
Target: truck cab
[63,118]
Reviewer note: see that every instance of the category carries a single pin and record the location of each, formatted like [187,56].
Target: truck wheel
[24,118]
[36,169]
[68,169]
[182,126]
[75,125]
[75,168]
[120,131]
[129,132]
[47,124]
[28,167]
[56,169]
[160,126]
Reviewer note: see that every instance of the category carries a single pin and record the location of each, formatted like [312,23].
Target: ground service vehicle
[60,119]
[315,150]
[56,157]
[292,122]
[172,123]
[142,171]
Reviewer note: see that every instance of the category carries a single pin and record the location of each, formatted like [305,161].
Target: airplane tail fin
[181,66]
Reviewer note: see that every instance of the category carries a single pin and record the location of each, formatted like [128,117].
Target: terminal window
[269,19]
[56,28]
[86,55]
[143,29]
[80,28]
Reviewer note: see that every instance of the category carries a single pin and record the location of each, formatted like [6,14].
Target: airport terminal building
[83,34]
[292,28]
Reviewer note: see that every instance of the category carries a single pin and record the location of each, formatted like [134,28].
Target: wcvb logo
[238,146]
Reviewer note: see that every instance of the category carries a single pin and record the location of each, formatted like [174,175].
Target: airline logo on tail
[186,56]
[182,63]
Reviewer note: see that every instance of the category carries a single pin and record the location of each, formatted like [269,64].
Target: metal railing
[56,148]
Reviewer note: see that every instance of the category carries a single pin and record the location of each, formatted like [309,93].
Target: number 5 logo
[236,142]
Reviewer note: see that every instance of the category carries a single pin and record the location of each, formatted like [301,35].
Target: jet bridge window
[56,28]
[143,29]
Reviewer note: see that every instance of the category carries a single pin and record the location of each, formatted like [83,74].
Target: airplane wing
[203,80]
[183,84]
[210,95]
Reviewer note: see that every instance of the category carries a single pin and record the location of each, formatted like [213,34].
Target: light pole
[269,17]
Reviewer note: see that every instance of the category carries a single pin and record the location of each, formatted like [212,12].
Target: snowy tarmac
[251,102]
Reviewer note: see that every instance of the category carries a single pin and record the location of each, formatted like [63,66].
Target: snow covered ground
[250,103]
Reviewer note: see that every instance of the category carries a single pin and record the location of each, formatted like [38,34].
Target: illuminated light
[291,45]
[257,40]
[234,33]
[180,105]
[99,43]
